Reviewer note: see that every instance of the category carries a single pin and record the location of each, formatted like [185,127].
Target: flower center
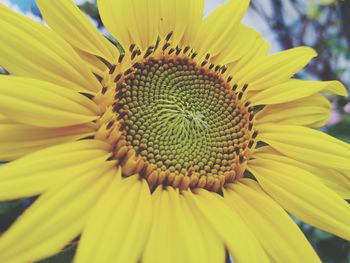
[181,124]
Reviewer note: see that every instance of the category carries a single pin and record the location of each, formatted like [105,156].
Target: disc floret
[179,121]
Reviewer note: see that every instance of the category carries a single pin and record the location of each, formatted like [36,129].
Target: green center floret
[181,117]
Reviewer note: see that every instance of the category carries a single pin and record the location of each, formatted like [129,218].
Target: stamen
[120,59]
[134,54]
[178,51]
[245,87]
[168,37]
[89,96]
[171,51]
[112,69]
[118,77]
[104,90]
[223,69]
[110,125]
[250,145]
[128,71]
[98,77]
[148,52]
[241,159]
[156,47]
[186,49]
[131,48]
[166,45]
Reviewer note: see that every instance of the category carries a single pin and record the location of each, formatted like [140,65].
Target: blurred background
[321,24]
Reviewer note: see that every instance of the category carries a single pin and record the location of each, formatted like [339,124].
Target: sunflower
[187,144]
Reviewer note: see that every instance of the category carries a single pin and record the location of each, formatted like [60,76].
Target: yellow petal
[117,228]
[307,145]
[241,43]
[182,17]
[95,64]
[313,112]
[42,170]
[338,181]
[43,104]
[303,195]
[259,50]
[133,21]
[215,251]
[266,218]
[113,18]
[191,16]
[183,241]
[335,180]
[30,49]
[55,219]
[296,89]
[66,19]
[269,71]
[346,174]
[17,139]
[141,22]
[239,240]
[220,26]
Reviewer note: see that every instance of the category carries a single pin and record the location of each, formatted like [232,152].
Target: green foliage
[341,130]
[65,256]
[8,207]
[331,249]
[9,211]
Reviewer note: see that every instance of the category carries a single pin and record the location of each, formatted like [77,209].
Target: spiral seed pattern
[182,120]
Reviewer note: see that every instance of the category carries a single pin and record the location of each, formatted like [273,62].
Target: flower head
[189,143]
